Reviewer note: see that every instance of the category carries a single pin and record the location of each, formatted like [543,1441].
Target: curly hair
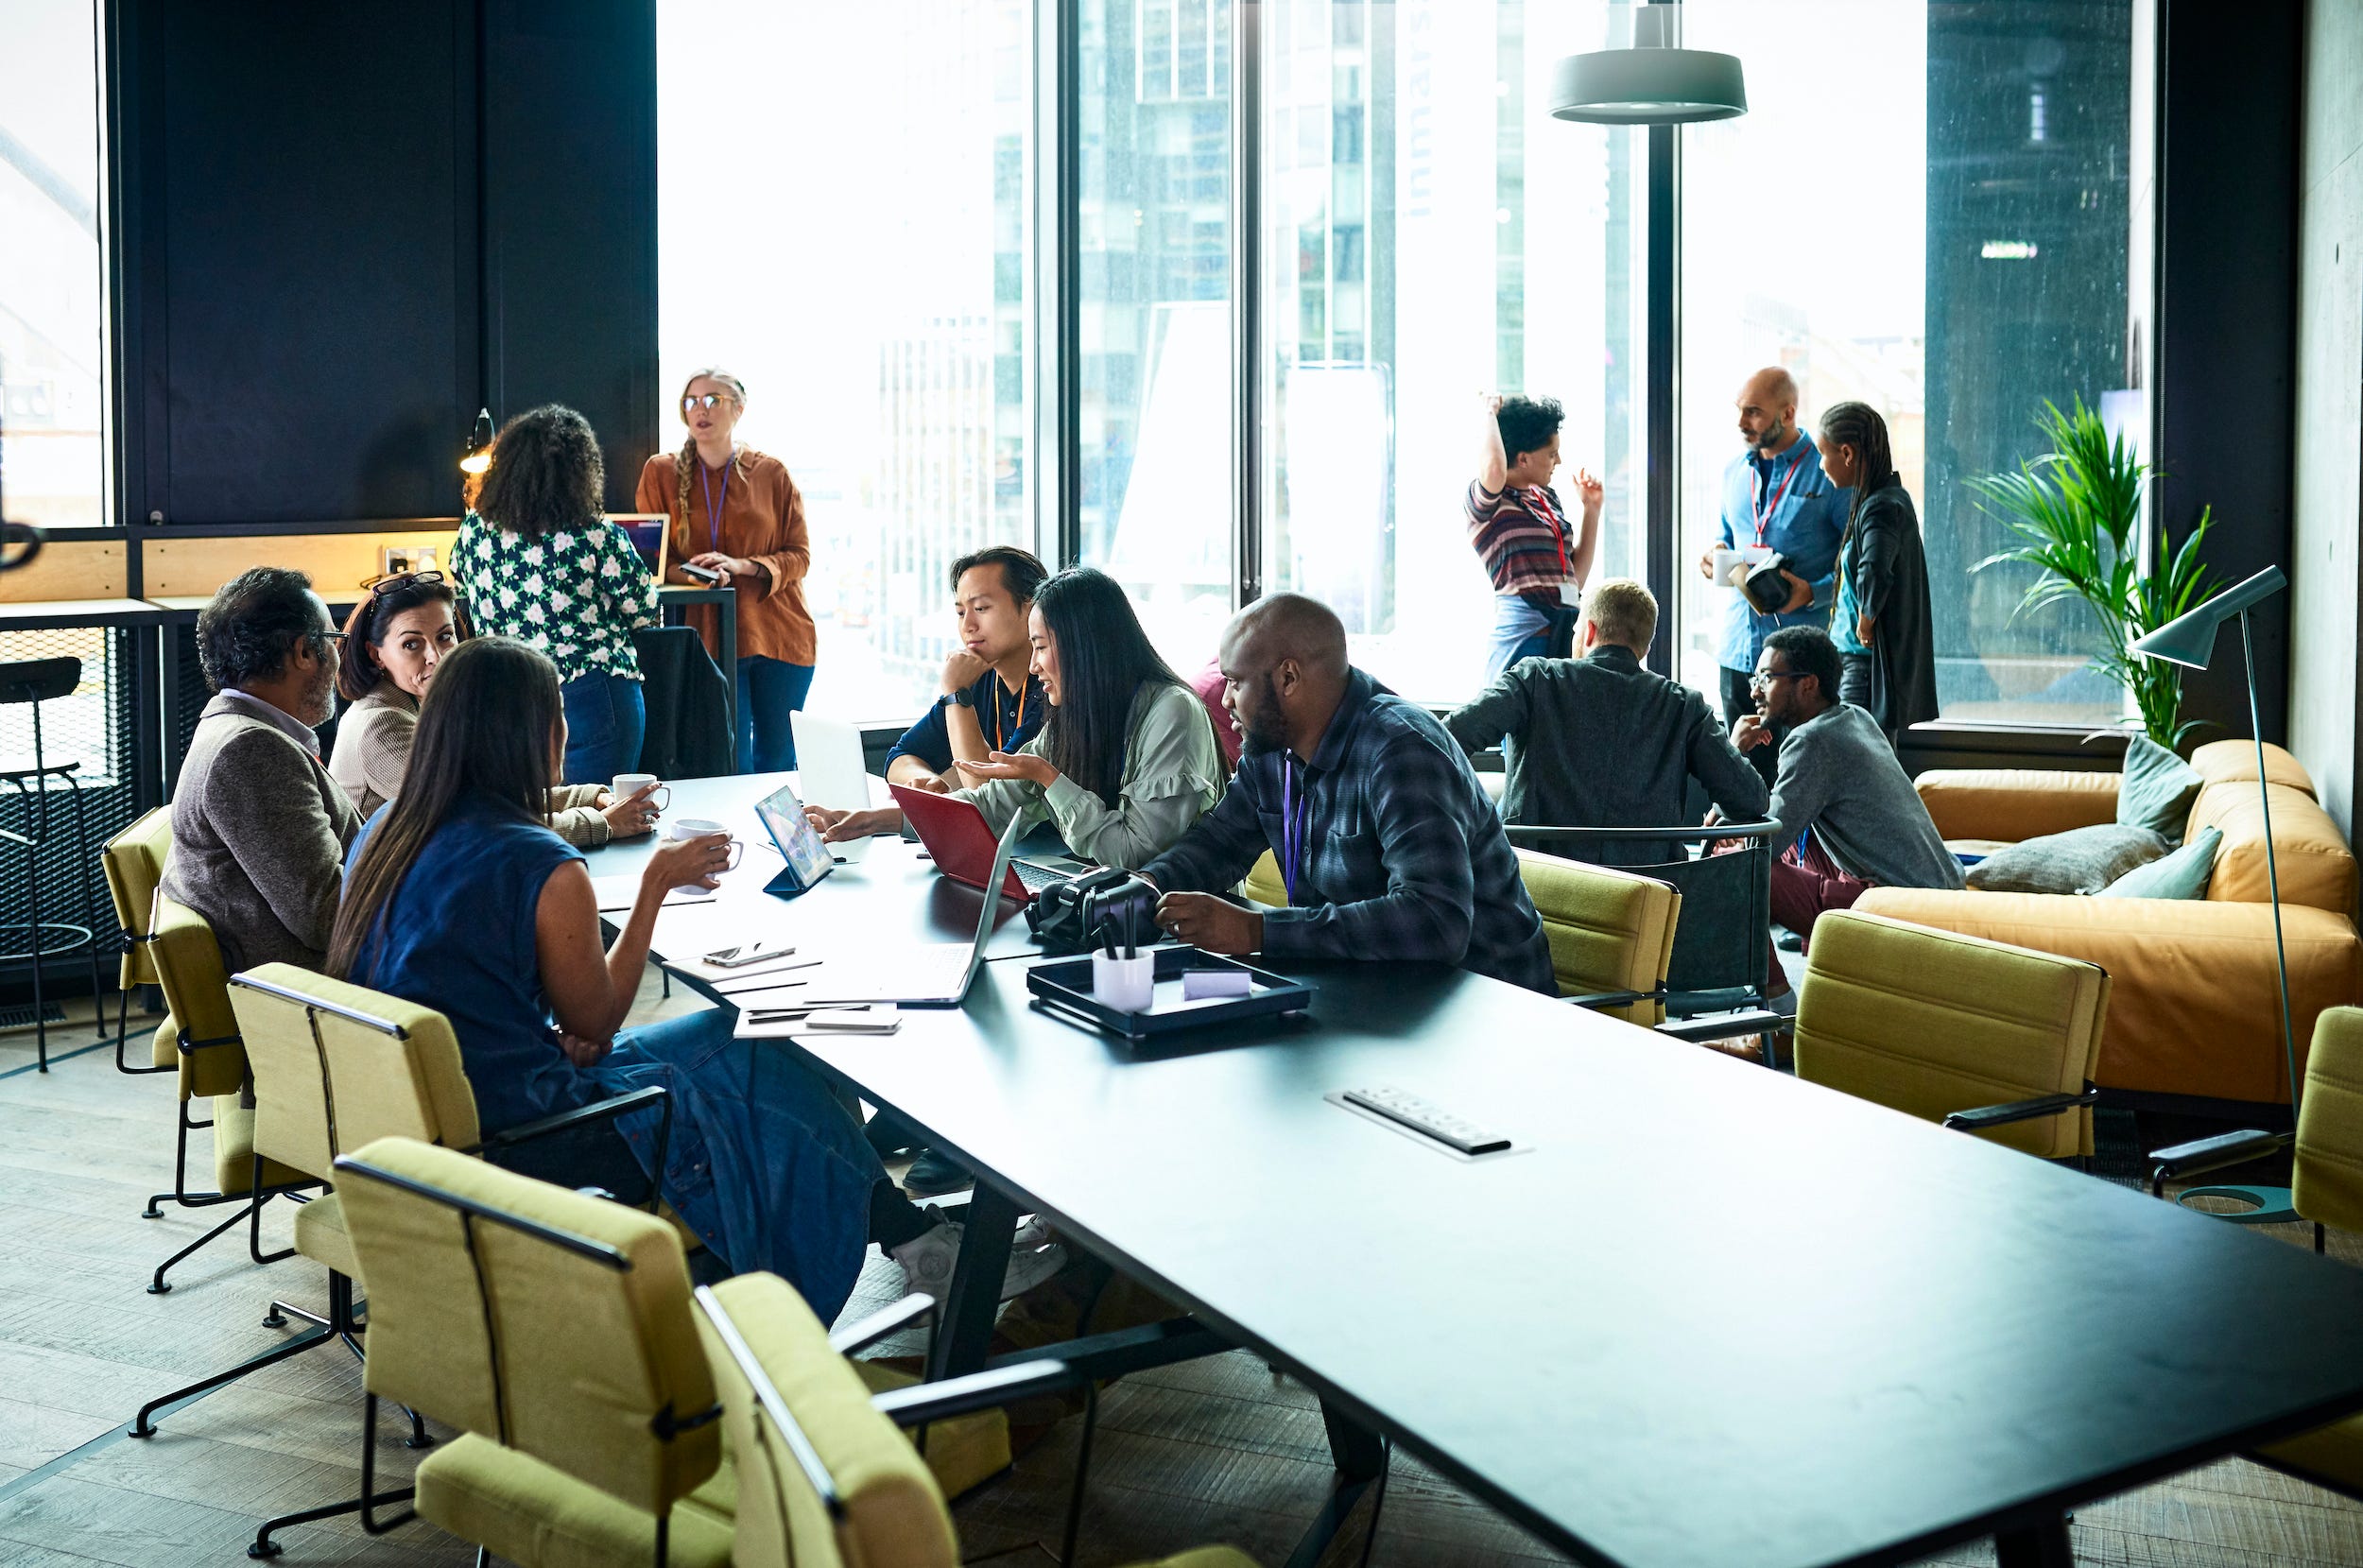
[255,620]
[1527,424]
[547,476]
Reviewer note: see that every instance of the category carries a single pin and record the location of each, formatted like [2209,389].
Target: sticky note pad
[1199,984]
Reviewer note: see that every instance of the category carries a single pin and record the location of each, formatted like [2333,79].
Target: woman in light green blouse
[1128,761]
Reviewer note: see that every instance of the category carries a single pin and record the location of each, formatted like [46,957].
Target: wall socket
[393,560]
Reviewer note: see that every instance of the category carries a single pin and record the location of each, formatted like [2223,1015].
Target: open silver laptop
[831,771]
[924,975]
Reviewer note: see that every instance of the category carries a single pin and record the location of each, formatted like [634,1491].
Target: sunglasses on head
[394,582]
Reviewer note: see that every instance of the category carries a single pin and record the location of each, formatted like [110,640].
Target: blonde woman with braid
[1883,625]
[736,512]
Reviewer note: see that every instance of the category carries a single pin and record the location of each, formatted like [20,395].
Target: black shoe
[1789,941]
[890,1135]
[934,1174]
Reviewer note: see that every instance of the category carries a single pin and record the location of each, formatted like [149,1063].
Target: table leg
[725,625]
[2044,1545]
[964,1322]
[1356,1450]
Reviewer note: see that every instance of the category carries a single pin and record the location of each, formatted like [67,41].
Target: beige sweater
[373,746]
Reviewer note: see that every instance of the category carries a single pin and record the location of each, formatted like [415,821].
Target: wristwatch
[965,698]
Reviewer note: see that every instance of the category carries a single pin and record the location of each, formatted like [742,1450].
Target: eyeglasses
[394,582]
[705,399]
[1766,678]
[334,638]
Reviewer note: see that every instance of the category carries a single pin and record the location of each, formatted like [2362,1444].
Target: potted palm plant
[2076,510]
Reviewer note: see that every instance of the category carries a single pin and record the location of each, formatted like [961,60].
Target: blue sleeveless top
[457,937]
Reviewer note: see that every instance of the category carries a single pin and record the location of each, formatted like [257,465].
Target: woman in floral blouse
[541,564]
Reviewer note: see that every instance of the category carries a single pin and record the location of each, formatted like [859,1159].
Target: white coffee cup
[698,827]
[1128,985]
[625,785]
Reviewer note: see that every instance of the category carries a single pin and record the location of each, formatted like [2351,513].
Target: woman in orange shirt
[736,511]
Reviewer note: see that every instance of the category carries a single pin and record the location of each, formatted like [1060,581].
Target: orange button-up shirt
[762,521]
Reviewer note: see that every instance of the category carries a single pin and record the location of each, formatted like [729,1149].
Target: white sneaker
[928,1260]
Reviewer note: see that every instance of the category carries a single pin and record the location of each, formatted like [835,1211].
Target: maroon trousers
[1806,883]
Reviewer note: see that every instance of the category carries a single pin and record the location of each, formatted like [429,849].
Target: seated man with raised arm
[1599,742]
[990,702]
[259,829]
[1840,791]
[1387,844]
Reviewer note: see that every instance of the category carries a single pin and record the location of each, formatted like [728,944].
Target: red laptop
[963,845]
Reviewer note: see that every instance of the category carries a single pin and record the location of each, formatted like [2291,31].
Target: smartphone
[703,574]
[747,952]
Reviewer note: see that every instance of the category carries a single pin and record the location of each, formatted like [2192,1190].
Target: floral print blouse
[576,595]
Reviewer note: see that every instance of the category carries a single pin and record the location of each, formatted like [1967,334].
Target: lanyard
[1001,736]
[1294,808]
[1763,513]
[1540,505]
[714,504]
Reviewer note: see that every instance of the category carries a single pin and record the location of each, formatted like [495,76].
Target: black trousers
[1738,700]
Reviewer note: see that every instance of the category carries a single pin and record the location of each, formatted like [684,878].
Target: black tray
[1064,986]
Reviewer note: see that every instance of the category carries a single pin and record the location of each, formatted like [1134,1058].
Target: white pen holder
[1128,985]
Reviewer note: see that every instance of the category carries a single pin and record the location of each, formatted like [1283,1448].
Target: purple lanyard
[713,505]
[1294,808]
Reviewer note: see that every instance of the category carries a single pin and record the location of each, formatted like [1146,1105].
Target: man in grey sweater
[1849,819]
[259,829]
[1599,742]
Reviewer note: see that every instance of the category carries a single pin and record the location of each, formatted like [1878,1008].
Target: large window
[1924,209]
[856,247]
[52,282]
[1430,233]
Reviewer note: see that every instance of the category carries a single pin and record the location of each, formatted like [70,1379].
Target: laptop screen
[647,532]
[782,816]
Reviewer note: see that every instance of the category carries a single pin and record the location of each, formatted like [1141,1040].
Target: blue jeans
[768,691]
[607,717]
[768,1167]
[1519,631]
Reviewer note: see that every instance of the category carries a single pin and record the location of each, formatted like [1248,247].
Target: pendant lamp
[476,457]
[1657,82]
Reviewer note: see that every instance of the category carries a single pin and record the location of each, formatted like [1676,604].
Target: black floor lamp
[2190,639]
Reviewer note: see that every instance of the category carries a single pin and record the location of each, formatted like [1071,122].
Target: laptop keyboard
[1035,878]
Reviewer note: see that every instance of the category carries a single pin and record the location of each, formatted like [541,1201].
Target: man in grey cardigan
[1844,804]
[259,829]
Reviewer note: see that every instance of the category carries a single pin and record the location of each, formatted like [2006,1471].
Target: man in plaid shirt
[1389,846]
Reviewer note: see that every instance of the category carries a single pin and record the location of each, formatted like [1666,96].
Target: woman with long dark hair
[458,898]
[395,638]
[1882,625]
[541,564]
[1127,760]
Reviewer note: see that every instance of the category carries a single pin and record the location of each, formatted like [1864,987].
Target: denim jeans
[768,691]
[607,717]
[1519,631]
[767,1165]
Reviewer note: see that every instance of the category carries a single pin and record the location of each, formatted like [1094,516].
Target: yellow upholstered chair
[135,862]
[200,1037]
[1263,884]
[824,1479]
[1612,932]
[1934,1024]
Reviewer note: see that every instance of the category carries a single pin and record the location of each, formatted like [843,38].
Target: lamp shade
[2190,637]
[1647,86]
[477,456]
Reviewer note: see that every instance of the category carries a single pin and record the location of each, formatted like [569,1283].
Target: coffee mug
[698,827]
[626,785]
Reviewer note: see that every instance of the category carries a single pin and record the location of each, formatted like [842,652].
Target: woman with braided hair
[735,512]
[1882,625]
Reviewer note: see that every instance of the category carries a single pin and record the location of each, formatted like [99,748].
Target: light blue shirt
[1805,517]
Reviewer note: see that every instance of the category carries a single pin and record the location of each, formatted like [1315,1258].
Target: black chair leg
[142,1428]
[252,1212]
[90,911]
[264,1547]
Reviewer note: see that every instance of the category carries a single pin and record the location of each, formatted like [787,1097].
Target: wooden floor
[1217,1451]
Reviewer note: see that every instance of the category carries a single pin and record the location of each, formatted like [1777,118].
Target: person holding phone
[738,515]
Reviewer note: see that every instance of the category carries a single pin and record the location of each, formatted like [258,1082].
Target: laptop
[830,769]
[648,532]
[959,839]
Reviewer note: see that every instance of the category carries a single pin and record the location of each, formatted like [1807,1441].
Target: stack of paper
[786,1021]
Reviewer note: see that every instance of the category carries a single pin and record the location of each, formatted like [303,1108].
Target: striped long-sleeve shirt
[1521,538]
[1402,856]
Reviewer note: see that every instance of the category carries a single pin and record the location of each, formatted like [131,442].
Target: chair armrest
[1616,998]
[2202,1155]
[1724,1025]
[1987,1116]
[854,1338]
[989,1389]
[585,1115]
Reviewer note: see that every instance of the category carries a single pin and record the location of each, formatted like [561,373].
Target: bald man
[1774,495]
[1387,845]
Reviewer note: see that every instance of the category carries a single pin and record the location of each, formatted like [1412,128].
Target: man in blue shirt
[1774,495]
[990,701]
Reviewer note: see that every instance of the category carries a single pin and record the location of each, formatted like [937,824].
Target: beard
[1770,436]
[1264,733]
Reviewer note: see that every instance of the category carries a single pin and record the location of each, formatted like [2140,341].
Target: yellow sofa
[2193,1007]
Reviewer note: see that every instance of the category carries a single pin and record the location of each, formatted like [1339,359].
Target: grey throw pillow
[2183,875]
[2083,860]
[2157,789]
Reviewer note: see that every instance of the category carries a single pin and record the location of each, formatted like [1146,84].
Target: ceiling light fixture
[1657,82]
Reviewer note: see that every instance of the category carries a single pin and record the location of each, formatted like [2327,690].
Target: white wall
[2323,571]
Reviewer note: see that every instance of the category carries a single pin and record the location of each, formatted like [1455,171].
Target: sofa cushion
[2157,790]
[2183,875]
[2082,860]
[2011,803]
[2315,866]
[2228,761]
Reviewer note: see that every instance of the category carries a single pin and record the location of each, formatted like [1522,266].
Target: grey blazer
[259,832]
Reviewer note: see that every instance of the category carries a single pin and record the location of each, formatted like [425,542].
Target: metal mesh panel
[91,727]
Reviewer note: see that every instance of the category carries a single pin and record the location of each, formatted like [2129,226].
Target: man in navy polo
[1774,495]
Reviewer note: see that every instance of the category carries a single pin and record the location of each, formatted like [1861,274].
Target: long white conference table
[1700,1314]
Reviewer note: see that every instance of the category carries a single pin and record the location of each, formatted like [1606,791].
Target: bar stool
[34,682]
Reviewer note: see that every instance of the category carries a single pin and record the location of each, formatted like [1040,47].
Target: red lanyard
[1539,504]
[1763,513]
